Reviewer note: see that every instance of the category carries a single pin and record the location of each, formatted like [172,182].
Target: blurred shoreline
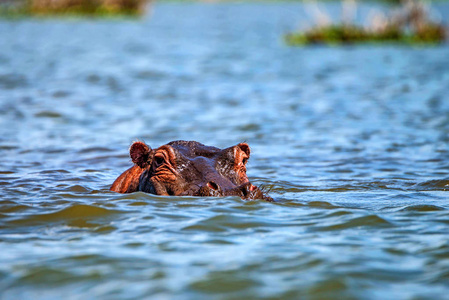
[24,8]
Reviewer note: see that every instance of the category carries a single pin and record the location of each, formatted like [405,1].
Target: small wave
[59,171]
[223,222]
[423,207]
[41,275]
[61,94]
[94,150]
[328,288]
[7,147]
[9,206]
[288,202]
[44,275]
[81,212]
[438,252]
[433,185]
[365,221]
[48,114]
[150,74]
[78,188]
[322,204]
[137,197]
[223,282]
[12,81]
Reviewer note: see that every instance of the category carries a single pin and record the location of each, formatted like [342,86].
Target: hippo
[189,168]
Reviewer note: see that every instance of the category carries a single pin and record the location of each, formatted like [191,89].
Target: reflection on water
[353,142]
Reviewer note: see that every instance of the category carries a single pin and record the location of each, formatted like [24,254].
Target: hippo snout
[246,191]
[250,191]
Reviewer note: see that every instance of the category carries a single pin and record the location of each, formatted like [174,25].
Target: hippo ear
[140,153]
[245,148]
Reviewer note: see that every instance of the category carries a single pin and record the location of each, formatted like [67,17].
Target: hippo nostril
[212,185]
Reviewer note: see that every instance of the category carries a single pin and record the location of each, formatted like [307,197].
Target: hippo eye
[159,160]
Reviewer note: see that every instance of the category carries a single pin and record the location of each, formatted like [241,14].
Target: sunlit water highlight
[353,142]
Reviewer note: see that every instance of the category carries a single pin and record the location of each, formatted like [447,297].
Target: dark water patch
[249,127]
[322,204]
[47,276]
[12,81]
[105,229]
[288,202]
[78,189]
[220,242]
[335,287]
[443,217]
[422,208]
[414,197]
[438,252]
[370,221]
[338,213]
[223,282]
[440,278]
[134,245]
[112,82]
[80,212]
[53,150]
[379,276]
[95,150]
[221,222]
[395,251]
[341,170]
[57,171]
[151,74]
[433,185]
[61,94]
[93,78]
[92,171]
[8,147]
[48,114]
[138,203]
[9,178]
[9,206]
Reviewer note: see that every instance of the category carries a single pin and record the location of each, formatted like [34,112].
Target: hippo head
[188,168]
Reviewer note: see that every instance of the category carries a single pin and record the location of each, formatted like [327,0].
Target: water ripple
[423,208]
[355,157]
[76,214]
[372,221]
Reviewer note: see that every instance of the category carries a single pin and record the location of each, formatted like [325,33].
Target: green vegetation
[73,7]
[408,24]
[338,34]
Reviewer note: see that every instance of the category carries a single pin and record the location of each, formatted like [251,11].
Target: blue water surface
[352,141]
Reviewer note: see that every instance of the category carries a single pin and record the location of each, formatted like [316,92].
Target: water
[353,142]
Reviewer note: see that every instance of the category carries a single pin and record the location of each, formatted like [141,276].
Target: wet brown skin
[189,168]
